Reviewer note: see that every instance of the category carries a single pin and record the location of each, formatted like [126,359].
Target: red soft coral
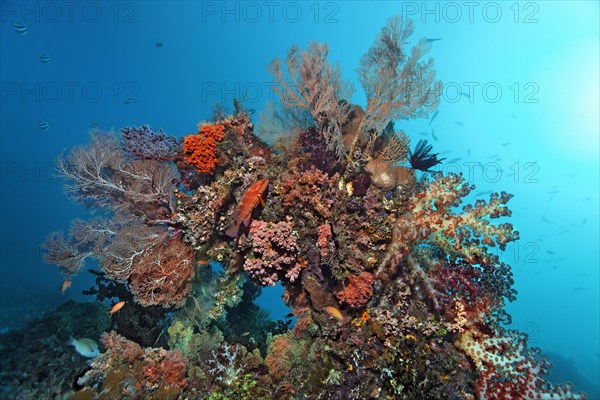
[122,348]
[358,290]
[278,358]
[165,368]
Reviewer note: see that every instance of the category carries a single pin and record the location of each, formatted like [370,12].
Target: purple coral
[275,248]
[143,142]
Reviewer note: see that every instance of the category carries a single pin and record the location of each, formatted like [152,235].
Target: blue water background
[541,126]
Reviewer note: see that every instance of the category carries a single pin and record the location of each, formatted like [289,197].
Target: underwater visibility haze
[299,200]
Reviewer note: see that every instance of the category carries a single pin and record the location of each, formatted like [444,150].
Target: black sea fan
[422,159]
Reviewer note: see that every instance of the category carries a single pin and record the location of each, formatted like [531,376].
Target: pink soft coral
[274,248]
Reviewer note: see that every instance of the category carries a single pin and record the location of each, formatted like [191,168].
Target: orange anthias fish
[116,307]
[65,285]
[247,204]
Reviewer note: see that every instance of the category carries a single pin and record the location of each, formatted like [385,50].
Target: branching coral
[162,274]
[396,149]
[324,239]
[275,253]
[99,175]
[314,85]
[432,219]
[62,252]
[124,247]
[157,267]
[397,85]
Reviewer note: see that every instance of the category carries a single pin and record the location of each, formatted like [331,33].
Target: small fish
[116,307]
[454,160]
[65,285]
[335,313]
[468,151]
[44,58]
[546,220]
[550,252]
[243,211]
[481,193]
[434,116]
[587,199]
[159,44]
[429,40]
[433,135]
[202,262]
[570,175]
[513,116]
[19,27]
[492,156]
[505,144]
[350,188]
[583,222]
[94,126]
[84,346]
[467,95]
[553,191]
[43,125]
[423,133]
[579,288]
[459,123]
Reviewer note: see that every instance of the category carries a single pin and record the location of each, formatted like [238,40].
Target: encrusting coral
[200,149]
[395,290]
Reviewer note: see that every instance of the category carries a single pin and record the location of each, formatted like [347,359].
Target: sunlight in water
[575,105]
